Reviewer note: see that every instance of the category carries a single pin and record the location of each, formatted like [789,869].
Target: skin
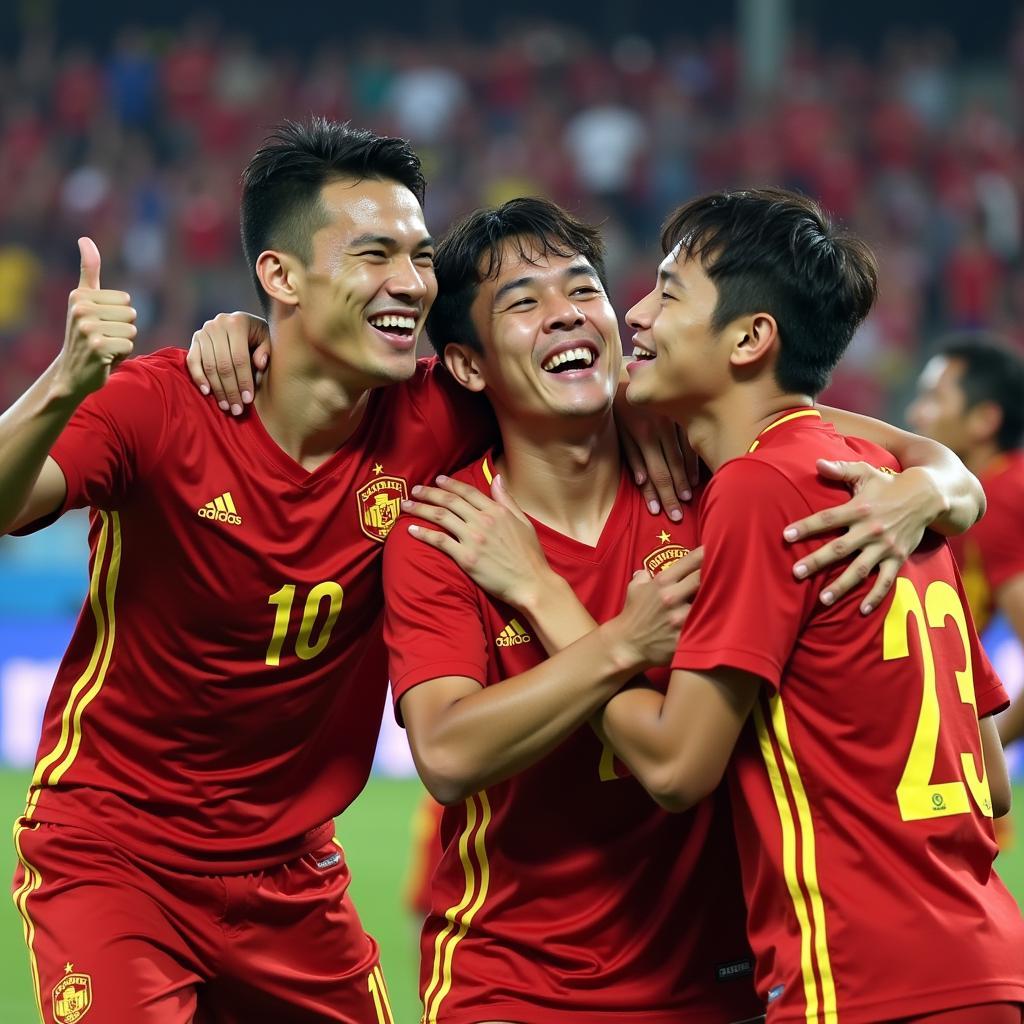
[940,411]
[720,385]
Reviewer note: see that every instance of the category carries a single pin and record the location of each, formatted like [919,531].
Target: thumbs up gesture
[99,332]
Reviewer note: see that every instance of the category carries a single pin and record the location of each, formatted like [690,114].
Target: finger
[434,538]
[827,520]
[691,461]
[194,363]
[634,459]
[113,314]
[473,495]
[887,573]
[89,274]
[261,358]
[660,478]
[854,574]
[115,349]
[683,591]
[101,297]
[503,498]
[682,567]
[438,516]
[839,469]
[240,386]
[209,361]
[677,465]
[445,499]
[108,329]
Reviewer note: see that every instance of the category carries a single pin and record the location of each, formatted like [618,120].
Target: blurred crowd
[140,146]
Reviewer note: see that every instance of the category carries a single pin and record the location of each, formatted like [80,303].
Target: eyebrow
[670,276]
[392,243]
[576,270]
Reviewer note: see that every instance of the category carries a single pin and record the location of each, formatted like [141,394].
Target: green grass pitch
[375,833]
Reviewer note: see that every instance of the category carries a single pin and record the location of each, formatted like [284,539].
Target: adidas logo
[222,510]
[512,635]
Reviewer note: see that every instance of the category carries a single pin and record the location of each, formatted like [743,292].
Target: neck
[309,412]
[564,474]
[727,426]
[980,457]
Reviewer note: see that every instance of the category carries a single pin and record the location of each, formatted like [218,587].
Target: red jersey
[219,701]
[565,892]
[862,811]
[991,553]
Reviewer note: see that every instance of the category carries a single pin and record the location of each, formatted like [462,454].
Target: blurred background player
[971,398]
[863,785]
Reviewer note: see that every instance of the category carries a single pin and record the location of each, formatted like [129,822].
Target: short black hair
[471,253]
[776,251]
[281,204]
[993,372]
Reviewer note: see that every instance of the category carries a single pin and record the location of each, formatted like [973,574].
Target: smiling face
[366,292]
[940,409]
[550,339]
[680,360]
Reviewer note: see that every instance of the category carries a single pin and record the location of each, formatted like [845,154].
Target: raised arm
[99,333]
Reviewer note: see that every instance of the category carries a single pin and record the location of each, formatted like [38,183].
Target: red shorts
[986,1013]
[123,939]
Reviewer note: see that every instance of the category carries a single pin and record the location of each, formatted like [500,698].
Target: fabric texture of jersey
[565,893]
[220,698]
[862,815]
[991,553]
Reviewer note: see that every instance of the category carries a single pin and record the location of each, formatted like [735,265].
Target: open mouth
[582,357]
[395,325]
[641,353]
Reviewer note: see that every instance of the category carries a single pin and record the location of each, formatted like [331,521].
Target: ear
[466,366]
[279,273]
[755,338]
[984,421]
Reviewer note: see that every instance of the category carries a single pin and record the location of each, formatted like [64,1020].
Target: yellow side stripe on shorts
[460,917]
[102,588]
[789,863]
[33,881]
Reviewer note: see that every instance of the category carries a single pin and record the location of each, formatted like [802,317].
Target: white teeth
[584,354]
[642,353]
[408,322]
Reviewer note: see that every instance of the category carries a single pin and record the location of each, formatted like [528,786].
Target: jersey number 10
[305,646]
[918,796]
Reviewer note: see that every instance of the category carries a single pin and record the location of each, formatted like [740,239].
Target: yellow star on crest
[377,469]
[664,537]
[69,967]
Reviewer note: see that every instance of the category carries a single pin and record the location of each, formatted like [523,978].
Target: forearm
[557,615]
[959,498]
[495,732]
[28,430]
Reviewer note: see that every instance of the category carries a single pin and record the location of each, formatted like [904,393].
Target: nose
[641,316]
[409,281]
[562,314]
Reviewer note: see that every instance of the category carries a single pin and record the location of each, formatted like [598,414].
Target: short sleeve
[461,422]
[999,537]
[750,608]
[115,436]
[989,693]
[432,615]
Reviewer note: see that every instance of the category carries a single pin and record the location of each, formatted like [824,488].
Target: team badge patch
[661,558]
[380,503]
[72,996]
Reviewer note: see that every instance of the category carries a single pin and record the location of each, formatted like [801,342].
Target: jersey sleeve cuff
[729,657]
[433,670]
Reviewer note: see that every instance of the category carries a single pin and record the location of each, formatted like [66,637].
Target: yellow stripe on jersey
[488,476]
[460,917]
[810,859]
[32,883]
[783,419]
[789,869]
[97,602]
[91,693]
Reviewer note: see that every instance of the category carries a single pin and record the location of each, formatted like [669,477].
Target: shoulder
[163,371]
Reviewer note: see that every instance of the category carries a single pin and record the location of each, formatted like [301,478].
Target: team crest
[72,997]
[380,503]
[661,558]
